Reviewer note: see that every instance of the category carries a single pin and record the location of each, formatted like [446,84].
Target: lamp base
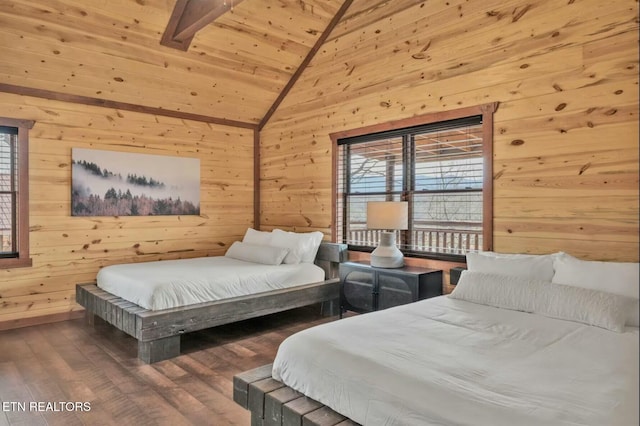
[387,255]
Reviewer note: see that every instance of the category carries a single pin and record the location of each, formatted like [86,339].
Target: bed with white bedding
[267,272]
[173,283]
[444,361]
[522,340]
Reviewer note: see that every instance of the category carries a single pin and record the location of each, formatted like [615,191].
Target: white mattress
[173,283]
[443,361]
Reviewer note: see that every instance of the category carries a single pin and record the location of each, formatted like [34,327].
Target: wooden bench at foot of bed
[271,403]
[158,332]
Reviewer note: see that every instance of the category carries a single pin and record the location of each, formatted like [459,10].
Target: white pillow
[517,255]
[302,246]
[612,277]
[525,265]
[260,238]
[312,241]
[591,307]
[256,253]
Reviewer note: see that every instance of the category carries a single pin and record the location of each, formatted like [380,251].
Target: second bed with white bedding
[443,361]
[173,283]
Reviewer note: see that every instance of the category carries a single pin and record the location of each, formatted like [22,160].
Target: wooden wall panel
[566,77]
[234,69]
[69,250]
[565,74]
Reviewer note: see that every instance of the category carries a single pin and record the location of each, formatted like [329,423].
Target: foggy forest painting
[110,183]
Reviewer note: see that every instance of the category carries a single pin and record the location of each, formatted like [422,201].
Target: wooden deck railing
[5,240]
[434,240]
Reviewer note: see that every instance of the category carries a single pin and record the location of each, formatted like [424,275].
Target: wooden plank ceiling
[235,68]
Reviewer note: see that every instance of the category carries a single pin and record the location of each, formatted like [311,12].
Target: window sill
[15,263]
[419,255]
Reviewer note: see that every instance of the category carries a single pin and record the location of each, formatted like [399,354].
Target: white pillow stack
[302,246]
[592,292]
[299,247]
[521,293]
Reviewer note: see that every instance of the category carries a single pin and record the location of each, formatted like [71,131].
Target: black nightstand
[364,288]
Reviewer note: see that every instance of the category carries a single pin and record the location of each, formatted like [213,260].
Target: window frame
[485,110]
[21,229]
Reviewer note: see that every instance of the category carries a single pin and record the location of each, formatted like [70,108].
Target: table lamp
[388,216]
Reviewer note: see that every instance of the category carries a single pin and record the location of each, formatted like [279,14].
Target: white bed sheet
[443,361]
[173,283]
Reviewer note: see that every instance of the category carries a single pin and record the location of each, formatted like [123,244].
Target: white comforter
[173,283]
[449,362]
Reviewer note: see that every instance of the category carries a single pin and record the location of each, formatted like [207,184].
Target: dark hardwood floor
[72,361]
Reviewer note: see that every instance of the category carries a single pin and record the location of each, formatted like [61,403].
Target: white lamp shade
[387,215]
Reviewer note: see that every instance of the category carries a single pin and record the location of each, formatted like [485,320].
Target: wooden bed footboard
[158,332]
[271,403]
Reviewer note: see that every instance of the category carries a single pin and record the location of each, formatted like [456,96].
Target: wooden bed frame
[158,332]
[272,403]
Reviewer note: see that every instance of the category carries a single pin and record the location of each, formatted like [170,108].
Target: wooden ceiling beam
[190,16]
[105,103]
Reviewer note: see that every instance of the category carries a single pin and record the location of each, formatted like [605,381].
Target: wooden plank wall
[566,144]
[566,132]
[111,49]
[69,250]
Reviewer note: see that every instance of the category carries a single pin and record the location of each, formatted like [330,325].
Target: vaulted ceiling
[234,68]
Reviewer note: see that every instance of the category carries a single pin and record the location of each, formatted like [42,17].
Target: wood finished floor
[73,361]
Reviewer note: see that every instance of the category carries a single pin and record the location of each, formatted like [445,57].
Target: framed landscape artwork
[110,183]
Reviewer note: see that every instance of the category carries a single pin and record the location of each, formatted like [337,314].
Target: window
[439,163]
[14,193]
